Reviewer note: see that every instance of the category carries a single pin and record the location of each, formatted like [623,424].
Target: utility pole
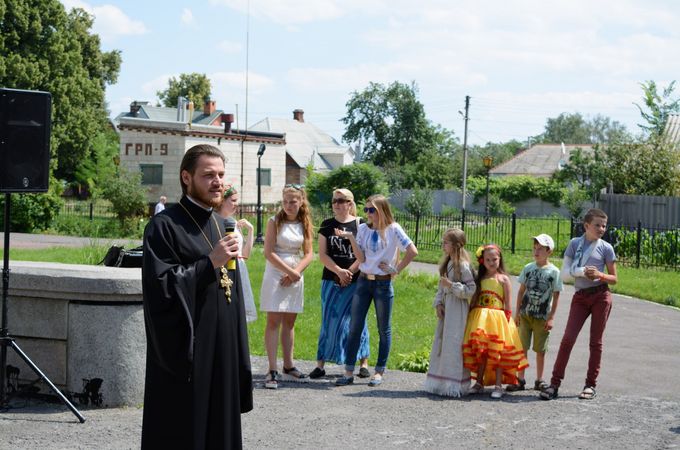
[465,156]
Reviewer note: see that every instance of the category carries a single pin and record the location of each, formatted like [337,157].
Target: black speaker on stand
[25,119]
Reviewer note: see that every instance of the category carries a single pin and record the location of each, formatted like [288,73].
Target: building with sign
[153,140]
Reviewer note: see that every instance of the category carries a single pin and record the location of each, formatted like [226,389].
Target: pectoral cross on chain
[226,283]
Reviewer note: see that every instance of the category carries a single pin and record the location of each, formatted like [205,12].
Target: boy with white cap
[537,299]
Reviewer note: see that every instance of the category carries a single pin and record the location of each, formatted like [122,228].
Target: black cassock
[198,375]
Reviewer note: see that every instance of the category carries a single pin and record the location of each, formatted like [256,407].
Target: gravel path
[636,407]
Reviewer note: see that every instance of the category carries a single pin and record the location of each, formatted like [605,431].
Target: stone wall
[79,322]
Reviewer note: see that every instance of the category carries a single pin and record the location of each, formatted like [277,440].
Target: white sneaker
[497,393]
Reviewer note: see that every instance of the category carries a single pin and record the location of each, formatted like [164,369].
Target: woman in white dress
[245,246]
[288,250]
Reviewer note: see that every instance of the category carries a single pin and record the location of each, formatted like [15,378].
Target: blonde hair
[347,195]
[456,237]
[383,212]
[304,215]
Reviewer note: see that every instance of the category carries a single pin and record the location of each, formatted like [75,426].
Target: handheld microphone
[230,228]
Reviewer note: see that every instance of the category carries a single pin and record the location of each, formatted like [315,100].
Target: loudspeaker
[25,125]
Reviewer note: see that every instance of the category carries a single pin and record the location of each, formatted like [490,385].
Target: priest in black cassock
[198,375]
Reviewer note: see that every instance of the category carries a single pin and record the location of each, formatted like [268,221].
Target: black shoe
[364,373]
[318,372]
[520,386]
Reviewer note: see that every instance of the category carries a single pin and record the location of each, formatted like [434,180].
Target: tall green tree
[575,129]
[194,86]
[389,122]
[45,48]
[657,107]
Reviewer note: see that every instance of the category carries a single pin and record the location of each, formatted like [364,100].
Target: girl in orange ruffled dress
[492,349]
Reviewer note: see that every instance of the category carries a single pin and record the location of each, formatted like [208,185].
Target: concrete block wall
[79,322]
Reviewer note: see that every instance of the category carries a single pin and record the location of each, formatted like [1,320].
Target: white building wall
[146,147]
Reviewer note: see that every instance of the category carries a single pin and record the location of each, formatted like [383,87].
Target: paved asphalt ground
[637,406]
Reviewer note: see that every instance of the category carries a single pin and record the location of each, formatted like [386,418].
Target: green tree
[575,129]
[194,86]
[363,179]
[657,107]
[101,166]
[391,126]
[45,48]
[586,170]
[127,196]
[647,167]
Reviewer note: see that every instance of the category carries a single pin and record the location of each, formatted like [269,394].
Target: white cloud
[187,17]
[110,21]
[150,87]
[224,84]
[230,47]
[296,12]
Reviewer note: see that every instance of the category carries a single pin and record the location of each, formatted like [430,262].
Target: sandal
[477,389]
[588,393]
[549,393]
[293,374]
[540,385]
[364,373]
[520,386]
[270,381]
[497,393]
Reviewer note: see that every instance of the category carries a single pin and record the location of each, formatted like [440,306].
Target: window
[151,173]
[266,177]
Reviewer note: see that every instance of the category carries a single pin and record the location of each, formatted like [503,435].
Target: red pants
[598,305]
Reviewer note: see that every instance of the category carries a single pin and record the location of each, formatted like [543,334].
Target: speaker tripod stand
[8,341]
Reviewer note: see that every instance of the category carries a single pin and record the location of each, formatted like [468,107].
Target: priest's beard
[204,196]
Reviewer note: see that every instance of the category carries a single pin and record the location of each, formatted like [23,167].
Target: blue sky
[521,62]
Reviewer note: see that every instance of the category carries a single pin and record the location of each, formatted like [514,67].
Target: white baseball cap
[545,241]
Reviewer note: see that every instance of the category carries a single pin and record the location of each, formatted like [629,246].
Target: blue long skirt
[336,305]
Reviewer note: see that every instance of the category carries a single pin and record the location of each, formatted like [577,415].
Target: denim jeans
[382,293]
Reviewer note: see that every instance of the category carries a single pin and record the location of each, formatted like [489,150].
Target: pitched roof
[305,142]
[164,114]
[541,160]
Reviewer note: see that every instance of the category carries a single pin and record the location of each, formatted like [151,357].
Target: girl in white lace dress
[288,250]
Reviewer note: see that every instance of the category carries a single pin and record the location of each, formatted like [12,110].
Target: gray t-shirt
[601,255]
[539,283]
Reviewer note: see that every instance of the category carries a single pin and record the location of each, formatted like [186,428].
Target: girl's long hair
[383,211]
[456,237]
[304,215]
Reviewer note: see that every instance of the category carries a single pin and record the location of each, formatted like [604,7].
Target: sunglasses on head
[297,187]
[370,209]
[339,200]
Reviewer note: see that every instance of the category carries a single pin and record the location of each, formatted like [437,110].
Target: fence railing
[638,246]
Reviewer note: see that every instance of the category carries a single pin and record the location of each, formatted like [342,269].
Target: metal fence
[637,245]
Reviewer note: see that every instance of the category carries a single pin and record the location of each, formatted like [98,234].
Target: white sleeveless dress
[248,297]
[273,296]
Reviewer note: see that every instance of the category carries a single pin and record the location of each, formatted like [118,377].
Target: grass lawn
[413,319]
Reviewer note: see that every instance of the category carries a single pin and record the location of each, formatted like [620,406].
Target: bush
[363,179]
[418,361]
[127,197]
[518,188]
[31,212]
[419,202]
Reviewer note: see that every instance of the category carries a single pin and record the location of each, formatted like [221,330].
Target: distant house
[306,144]
[541,160]
[153,140]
